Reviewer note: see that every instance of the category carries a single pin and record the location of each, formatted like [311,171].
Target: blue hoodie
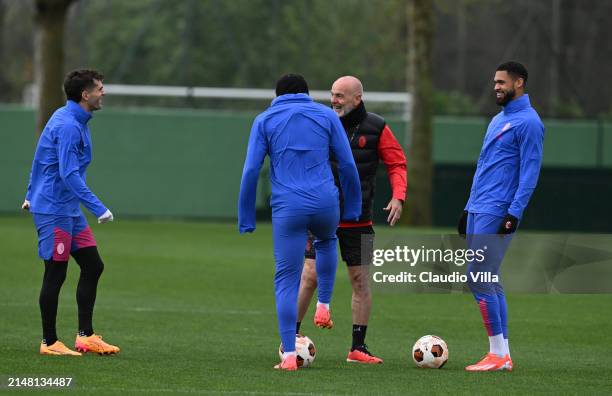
[509,162]
[298,135]
[57,180]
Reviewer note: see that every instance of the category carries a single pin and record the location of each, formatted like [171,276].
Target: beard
[344,110]
[508,96]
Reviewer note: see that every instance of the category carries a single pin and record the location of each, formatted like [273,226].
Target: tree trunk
[555,59]
[5,86]
[420,167]
[462,52]
[50,19]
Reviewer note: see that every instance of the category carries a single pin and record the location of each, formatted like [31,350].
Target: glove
[106,217]
[462,226]
[508,226]
[25,205]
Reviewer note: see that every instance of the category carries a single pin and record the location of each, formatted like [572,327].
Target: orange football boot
[362,355]
[57,348]
[491,362]
[94,343]
[322,318]
[288,364]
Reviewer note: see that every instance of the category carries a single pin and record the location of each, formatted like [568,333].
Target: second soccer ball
[430,351]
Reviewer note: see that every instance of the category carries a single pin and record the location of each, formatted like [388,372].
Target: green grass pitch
[191,305]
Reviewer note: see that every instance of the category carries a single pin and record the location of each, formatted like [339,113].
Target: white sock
[320,303]
[507,346]
[497,345]
[287,354]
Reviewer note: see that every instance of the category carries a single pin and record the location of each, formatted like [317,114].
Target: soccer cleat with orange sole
[322,318]
[94,343]
[362,355]
[491,362]
[57,348]
[288,364]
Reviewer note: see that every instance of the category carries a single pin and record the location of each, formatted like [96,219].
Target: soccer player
[57,187]
[298,135]
[506,175]
[371,140]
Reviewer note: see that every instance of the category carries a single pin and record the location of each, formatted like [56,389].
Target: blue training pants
[290,235]
[481,234]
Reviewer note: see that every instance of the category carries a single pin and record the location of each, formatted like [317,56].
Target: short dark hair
[291,84]
[78,81]
[514,69]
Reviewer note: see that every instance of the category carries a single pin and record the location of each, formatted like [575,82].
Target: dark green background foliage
[249,43]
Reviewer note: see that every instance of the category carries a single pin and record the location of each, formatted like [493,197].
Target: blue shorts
[58,236]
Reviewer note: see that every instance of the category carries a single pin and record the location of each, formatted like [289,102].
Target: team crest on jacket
[362,141]
[504,129]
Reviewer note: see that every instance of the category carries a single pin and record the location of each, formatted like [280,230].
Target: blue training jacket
[509,162]
[57,180]
[298,134]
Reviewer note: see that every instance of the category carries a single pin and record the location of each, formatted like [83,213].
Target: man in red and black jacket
[371,141]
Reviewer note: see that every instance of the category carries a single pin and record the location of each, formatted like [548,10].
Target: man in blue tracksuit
[298,135]
[506,175]
[55,191]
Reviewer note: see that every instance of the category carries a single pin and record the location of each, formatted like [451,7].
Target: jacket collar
[287,98]
[517,104]
[354,117]
[77,111]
